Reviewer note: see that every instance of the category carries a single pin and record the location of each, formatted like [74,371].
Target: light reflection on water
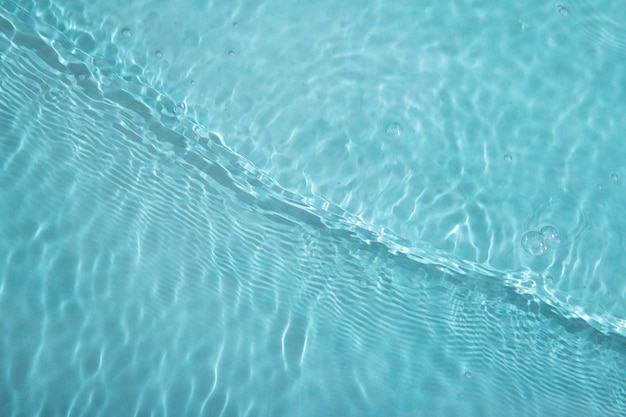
[159,261]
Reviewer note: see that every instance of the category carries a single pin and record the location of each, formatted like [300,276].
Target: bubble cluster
[394,129]
[534,244]
[551,236]
[537,243]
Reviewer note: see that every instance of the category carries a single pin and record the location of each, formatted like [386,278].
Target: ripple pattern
[500,111]
[598,23]
[148,269]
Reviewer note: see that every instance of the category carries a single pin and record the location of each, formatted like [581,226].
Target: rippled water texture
[312,208]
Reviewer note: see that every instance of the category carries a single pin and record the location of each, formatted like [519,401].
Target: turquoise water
[312,208]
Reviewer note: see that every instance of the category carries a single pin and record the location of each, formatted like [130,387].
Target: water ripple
[600,23]
[150,257]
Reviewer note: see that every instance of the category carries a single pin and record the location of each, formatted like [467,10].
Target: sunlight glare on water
[312,208]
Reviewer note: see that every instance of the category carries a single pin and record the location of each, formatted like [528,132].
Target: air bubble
[158,54]
[394,129]
[534,243]
[550,236]
[614,177]
[550,280]
[231,53]
[236,24]
[180,108]
[468,375]
[508,158]
[599,186]
[126,33]
[363,283]
[81,77]
[562,9]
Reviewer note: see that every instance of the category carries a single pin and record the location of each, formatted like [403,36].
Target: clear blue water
[264,208]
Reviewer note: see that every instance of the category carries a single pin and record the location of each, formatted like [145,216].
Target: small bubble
[468,375]
[81,77]
[394,129]
[126,33]
[534,244]
[508,158]
[363,283]
[550,236]
[158,54]
[599,186]
[192,82]
[236,24]
[180,108]
[231,53]
[550,280]
[614,177]
[562,9]
[55,95]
